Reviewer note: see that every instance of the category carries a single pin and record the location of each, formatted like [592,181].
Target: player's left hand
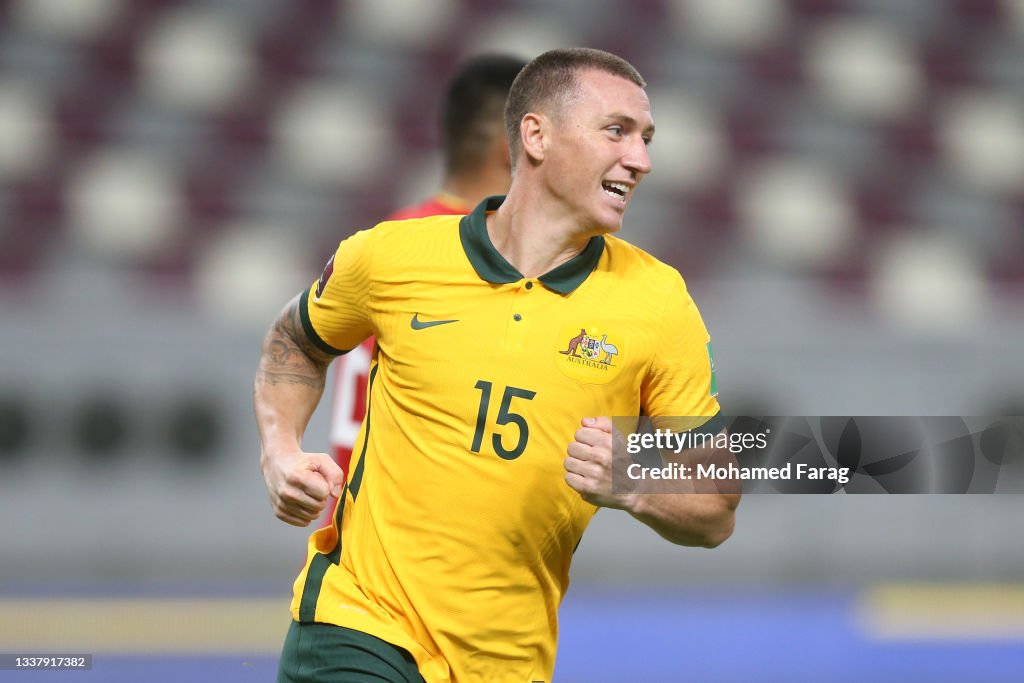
[589,465]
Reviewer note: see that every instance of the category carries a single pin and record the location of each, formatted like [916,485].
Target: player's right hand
[300,484]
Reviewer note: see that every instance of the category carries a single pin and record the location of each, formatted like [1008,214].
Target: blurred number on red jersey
[350,375]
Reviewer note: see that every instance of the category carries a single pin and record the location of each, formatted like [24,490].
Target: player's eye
[615,130]
[647,140]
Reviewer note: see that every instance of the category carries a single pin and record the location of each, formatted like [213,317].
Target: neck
[474,187]
[534,235]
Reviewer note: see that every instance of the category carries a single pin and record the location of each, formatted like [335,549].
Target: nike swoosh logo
[418,324]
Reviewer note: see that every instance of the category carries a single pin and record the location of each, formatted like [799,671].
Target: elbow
[718,527]
[707,527]
[709,535]
[718,534]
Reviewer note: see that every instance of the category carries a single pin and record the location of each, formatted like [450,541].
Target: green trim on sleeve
[307,327]
[714,425]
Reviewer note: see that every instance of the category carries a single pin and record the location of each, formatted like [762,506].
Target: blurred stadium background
[841,182]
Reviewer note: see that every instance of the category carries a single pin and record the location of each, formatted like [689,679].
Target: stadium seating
[825,139]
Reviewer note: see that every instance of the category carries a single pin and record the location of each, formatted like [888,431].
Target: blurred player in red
[477,165]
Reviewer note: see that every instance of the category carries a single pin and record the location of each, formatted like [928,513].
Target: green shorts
[324,653]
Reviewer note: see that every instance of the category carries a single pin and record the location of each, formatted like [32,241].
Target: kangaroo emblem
[609,350]
[574,343]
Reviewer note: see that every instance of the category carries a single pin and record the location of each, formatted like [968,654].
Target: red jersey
[443,204]
[352,369]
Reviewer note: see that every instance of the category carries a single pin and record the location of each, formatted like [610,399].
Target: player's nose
[637,158]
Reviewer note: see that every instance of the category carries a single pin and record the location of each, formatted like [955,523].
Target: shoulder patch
[714,380]
[324,277]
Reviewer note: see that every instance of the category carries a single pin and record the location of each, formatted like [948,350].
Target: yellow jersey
[454,537]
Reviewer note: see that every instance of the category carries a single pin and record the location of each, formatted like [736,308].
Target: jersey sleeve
[680,382]
[335,308]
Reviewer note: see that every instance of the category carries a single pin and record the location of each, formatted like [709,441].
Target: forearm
[686,512]
[282,413]
[289,383]
[692,511]
[691,519]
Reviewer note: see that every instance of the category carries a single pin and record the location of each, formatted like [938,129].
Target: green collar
[492,266]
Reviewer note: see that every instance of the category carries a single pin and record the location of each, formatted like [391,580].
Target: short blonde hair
[551,79]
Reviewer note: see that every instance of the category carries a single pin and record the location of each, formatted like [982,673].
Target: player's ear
[533,131]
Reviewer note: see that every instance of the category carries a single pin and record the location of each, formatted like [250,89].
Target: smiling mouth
[617,190]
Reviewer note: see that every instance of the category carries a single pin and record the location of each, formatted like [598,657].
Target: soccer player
[506,340]
[476,165]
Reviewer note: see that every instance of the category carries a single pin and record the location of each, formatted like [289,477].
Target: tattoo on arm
[289,357]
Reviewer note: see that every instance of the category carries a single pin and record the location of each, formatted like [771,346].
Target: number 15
[505,416]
